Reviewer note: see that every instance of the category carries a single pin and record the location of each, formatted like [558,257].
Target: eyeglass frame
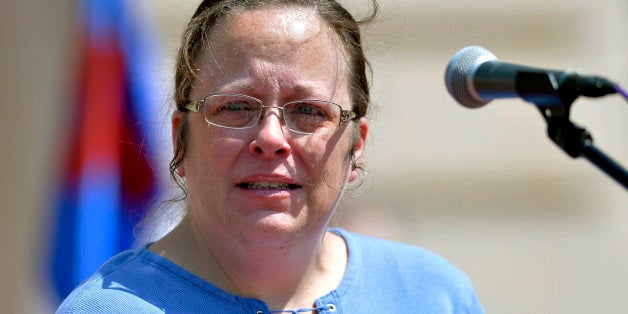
[199,105]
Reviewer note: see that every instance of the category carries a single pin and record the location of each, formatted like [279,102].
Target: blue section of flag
[97,223]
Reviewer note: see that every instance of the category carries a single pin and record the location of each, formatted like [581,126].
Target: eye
[234,111]
[231,106]
[308,109]
[234,106]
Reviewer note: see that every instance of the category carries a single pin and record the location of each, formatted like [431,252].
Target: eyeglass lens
[240,111]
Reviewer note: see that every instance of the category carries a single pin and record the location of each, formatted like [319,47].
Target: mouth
[268,185]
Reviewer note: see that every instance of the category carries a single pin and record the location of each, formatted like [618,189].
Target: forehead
[272,38]
[292,25]
[295,26]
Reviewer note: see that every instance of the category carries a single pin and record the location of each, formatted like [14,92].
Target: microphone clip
[571,138]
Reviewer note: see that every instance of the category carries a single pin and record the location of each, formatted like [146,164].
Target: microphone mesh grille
[459,75]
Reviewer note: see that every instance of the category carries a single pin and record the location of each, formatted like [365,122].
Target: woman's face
[267,185]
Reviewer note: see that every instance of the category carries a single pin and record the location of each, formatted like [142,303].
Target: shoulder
[399,271]
[144,282]
[103,292]
[385,252]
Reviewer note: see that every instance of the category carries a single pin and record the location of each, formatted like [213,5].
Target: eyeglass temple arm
[346,115]
[195,105]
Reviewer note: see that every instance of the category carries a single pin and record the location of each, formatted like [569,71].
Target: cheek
[326,158]
[208,165]
[211,152]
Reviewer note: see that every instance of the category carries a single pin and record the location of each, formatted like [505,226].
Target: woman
[269,129]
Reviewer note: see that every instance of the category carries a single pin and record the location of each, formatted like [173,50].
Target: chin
[273,230]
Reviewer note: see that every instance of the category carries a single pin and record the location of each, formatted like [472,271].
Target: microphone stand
[573,139]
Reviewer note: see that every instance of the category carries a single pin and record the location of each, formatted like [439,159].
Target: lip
[268,183]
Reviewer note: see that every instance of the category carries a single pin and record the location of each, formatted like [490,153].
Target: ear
[358,148]
[177,119]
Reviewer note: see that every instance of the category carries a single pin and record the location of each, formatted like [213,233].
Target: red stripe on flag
[104,98]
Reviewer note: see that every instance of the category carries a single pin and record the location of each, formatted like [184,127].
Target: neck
[289,276]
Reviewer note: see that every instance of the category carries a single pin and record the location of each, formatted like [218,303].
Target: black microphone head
[460,72]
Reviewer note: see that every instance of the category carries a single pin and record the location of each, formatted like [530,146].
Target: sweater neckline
[351,271]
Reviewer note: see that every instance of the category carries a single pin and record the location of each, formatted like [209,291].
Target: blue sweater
[381,277]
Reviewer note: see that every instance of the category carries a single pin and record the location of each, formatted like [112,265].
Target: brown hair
[209,12]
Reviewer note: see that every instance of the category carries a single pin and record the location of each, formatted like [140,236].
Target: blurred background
[537,231]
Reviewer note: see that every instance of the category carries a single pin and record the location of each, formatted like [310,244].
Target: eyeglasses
[235,111]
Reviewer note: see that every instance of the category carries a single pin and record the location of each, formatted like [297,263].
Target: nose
[270,140]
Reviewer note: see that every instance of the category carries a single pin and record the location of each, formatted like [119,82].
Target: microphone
[474,77]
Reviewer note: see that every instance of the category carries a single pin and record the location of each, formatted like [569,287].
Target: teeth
[267,185]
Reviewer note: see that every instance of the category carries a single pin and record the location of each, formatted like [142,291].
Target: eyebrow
[303,88]
[243,85]
[239,84]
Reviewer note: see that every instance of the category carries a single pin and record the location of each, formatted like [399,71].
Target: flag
[110,177]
